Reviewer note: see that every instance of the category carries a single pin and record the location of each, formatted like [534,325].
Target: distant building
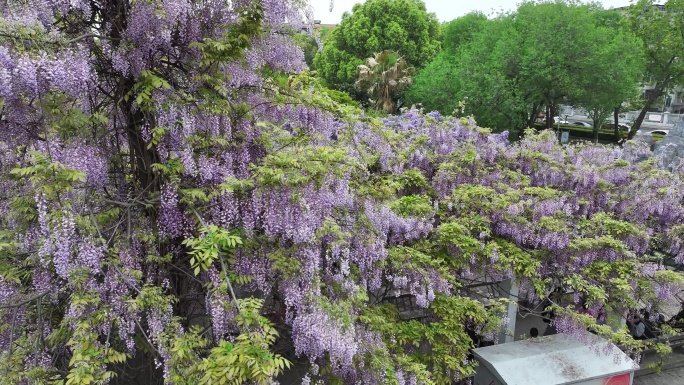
[306,27]
[671,101]
[661,7]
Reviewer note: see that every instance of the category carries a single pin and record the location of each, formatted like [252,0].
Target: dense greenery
[461,31]
[661,28]
[437,86]
[310,46]
[403,26]
[510,68]
[614,69]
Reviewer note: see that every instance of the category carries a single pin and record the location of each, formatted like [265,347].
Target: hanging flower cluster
[167,200]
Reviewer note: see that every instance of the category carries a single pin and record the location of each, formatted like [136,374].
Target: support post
[511,290]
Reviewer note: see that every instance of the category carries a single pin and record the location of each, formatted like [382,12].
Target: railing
[676,118]
[656,117]
[673,340]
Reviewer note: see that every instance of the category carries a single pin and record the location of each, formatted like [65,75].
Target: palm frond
[383,75]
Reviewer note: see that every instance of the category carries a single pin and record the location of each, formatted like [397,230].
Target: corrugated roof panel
[555,360]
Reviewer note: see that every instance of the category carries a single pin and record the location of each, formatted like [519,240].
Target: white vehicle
[581,124]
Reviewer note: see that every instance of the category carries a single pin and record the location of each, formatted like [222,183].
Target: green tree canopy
[403,26]
[661,27]
[435,87]
[462,30]
[436,84]
[544,54]
[309,46]
[615,76]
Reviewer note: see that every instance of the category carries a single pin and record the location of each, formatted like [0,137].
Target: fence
[630,116]
[656,117]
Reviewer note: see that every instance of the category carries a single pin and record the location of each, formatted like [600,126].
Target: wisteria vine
[177,191]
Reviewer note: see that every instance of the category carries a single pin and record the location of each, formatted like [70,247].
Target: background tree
[661,28]
[492,87]
[402,26]
[461,31]
[555,37]
[383,77]
[510,68]
[437,87]
[611,76]
[309,44]
[325,33]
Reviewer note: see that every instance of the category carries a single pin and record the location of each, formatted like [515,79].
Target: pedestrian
[639,330]
[584,308]
[658,319]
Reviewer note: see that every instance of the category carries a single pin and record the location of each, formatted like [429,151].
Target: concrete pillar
[510,289]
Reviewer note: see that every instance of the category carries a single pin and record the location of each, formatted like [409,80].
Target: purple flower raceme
[170,111]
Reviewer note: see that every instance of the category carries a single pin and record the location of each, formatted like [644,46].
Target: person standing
[639,331]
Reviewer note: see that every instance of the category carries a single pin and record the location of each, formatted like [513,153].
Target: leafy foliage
[402,26]
[437,87]
[615,75]
[247,359]
[659,26]
[541,55]
[174,211]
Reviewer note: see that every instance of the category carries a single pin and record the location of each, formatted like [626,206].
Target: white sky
[445,10]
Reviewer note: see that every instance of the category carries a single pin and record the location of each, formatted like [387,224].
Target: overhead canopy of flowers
[169,204]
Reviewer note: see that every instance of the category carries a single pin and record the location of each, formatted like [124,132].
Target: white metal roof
[554,360]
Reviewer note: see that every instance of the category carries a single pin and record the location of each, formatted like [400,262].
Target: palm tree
[382,77]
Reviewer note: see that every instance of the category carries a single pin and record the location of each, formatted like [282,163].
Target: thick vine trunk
[142,158]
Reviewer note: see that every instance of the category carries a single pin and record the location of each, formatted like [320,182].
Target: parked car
[559,120]
[582,124]
[621,126]
[610,123]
